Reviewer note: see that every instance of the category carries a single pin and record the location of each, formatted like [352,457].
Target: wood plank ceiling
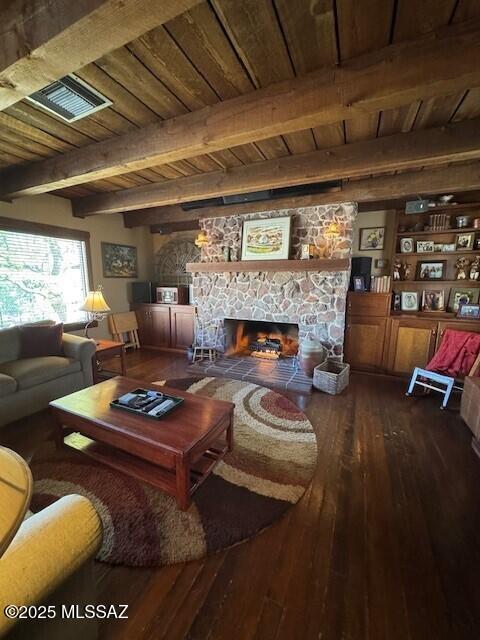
[224,48]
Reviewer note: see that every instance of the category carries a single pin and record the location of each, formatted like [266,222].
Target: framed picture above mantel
[266,239]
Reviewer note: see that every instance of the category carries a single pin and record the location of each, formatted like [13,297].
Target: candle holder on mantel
[331,234]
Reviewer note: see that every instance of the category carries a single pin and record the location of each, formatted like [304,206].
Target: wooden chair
[430,381]
[124,323]
[205,339]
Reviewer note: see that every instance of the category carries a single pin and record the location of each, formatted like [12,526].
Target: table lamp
[96,307]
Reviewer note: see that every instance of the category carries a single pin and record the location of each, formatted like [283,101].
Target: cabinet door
[459,325]
[144,320]
[160,326]
[364,341]
[411,344]
[182,322]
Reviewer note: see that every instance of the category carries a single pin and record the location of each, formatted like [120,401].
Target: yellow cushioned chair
[46,560]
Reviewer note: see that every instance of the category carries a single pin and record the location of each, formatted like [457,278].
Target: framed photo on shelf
[409,301]
[462,295]
[266,239]
[438,247]
[433,300]
[304,252]
[449,247]
[359,283]
[470,311]
[464,241]
[396,301]
[372,238]
[425,246]
[406,245]
[431,269]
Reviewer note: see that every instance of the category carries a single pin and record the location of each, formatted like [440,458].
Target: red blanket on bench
[457,353]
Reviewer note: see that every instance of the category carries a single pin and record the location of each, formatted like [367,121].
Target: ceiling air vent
[70,98]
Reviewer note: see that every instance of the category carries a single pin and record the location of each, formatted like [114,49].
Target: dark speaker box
[142,292]
[361,267]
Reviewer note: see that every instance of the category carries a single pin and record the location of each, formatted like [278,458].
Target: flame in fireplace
[269,341]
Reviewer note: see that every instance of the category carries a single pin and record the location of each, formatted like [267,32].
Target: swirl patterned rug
[267,472]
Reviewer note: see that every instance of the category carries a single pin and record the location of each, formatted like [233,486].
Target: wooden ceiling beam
[441,63]
[41,41]
[463,177]
[164,229]
[457,142]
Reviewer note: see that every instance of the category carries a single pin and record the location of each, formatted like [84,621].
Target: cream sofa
[27,385]
[50,562]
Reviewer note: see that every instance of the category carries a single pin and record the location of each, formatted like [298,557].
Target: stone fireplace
[314,301]
[260,339]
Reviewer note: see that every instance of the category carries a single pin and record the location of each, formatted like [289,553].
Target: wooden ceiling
[221,49]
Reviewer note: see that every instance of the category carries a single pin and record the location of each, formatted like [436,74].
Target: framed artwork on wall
[119,260]
[266,239]
[372,239]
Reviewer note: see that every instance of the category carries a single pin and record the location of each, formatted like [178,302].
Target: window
[43,273]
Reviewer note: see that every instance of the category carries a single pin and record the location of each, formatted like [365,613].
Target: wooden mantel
[322,264]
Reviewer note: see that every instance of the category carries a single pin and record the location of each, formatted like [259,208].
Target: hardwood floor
[384,545]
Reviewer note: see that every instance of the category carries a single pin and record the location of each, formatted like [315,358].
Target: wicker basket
[331,376]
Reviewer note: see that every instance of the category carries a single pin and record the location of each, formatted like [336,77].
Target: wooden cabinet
[364,341]
[181,326]
[366,326]
[164,326]
[395,344]
[411,344]
[368,304]
[160,332]
[144,320]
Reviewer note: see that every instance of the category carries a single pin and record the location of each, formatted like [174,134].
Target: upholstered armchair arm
[47,549]
[77,347]
[80,349]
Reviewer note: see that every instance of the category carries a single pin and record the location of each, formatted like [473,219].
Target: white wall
[57,211]
[375,219]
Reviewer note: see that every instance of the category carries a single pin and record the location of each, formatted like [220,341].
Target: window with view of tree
[41,277]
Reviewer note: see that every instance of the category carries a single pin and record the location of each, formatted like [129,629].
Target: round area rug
[268,471]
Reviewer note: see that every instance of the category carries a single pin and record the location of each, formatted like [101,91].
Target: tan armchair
[49,562]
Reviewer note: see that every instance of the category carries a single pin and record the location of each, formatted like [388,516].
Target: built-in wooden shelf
[438,253]
[432,315]
[321,264]
[438,232]
[437,281]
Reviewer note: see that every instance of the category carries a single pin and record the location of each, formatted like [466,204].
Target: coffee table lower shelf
[157,476]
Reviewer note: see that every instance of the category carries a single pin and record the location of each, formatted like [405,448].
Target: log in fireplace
[259,339]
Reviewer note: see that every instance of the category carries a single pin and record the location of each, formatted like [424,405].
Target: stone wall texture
[313,300]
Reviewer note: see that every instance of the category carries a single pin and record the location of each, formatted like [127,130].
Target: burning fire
[267,344]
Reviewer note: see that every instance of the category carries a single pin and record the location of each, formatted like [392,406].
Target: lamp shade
[95,303]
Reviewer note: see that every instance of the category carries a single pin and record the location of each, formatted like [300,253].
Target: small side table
[106,349]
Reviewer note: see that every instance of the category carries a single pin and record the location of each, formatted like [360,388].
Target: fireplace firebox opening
[259,339]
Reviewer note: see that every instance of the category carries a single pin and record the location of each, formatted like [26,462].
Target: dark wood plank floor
[384,545]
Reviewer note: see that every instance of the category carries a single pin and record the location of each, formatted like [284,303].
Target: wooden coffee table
[175,454]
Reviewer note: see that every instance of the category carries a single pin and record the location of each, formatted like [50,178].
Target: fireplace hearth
[259,339]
